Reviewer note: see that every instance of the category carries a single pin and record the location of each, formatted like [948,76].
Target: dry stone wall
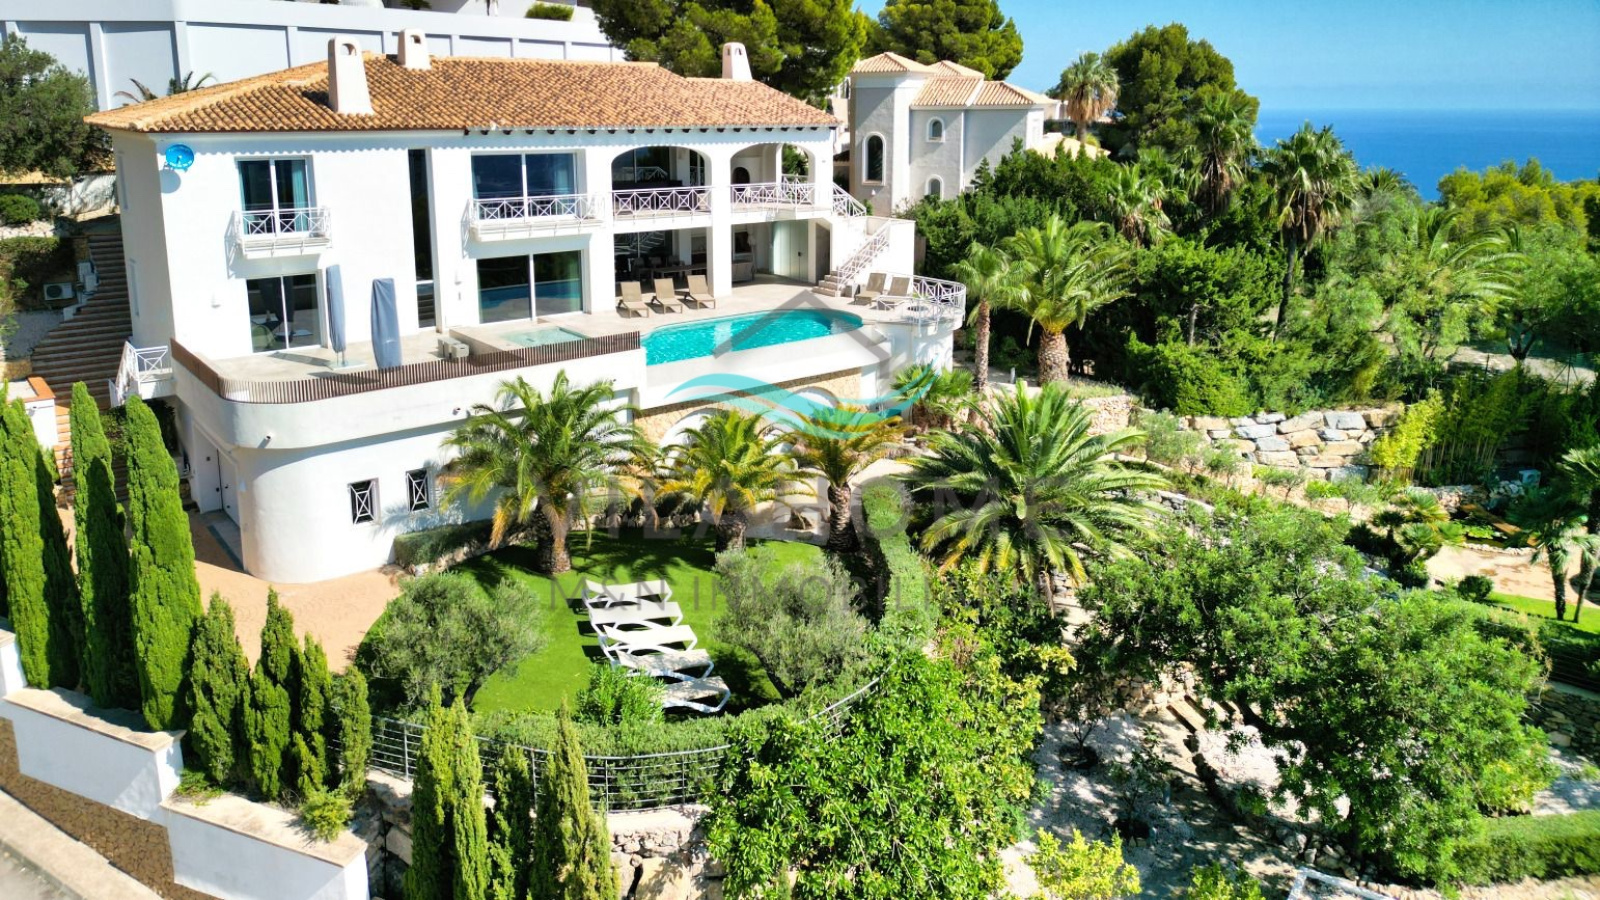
[1324,444]
[1571,718]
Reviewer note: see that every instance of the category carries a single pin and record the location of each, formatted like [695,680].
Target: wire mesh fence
[619,783]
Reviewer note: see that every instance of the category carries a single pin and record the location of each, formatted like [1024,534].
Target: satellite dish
[179,157]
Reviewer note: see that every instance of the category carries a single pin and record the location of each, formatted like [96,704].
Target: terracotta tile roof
[957,69]
[464,93]
[947,92]
[999,93]
[889,62]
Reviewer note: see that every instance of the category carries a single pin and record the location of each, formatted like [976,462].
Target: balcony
[786,199]
[520,217]
[660,206]
[281,232]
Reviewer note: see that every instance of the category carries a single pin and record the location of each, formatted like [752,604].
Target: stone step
[1187,716]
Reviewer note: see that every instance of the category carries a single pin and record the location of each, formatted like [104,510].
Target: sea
[1426,145]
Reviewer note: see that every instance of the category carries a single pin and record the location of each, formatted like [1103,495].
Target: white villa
[478,216]
[921,130]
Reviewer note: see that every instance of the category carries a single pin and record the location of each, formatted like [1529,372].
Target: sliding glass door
[276,194]
[283,313]
[523,287]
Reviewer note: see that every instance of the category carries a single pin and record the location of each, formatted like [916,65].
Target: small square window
[418,495]
[363,500]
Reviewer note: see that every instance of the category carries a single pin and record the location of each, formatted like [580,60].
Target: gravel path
[31,328]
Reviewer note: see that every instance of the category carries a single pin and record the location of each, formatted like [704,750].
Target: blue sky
[1349,54]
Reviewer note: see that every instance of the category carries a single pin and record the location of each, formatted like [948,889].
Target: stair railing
[140,366]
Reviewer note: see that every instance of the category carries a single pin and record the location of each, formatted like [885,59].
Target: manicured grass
[1546,609]
[562,667]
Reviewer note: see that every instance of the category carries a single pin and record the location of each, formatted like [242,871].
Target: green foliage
[1479,413]
[1064,273]
[60,582]
[559,12]
[887,513]
[1083,870]
[1281,478]
[449,839]
[613,697]
[1188,381]
[1398,451]
[45,104]
[1166,441]
[917,786]
[511,826]
[727,466]
[268,726]
[27,262]
[102,552]
[219,695]
[425,547]
[1509,194]
[306,766]
[165,594]
[1214,882]
[19,209]
[1539,847]
[569,836]
[22,547]
[313,692]
[1089,88]
[445,630]
[353,721]
[801,47]
[1273,614]
[1476,588]
[1164,77]
[279,646]
[972,33]
[325,813]
[798,620]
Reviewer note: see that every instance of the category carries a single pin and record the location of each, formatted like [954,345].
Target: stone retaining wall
[1323,444]
[1571,717]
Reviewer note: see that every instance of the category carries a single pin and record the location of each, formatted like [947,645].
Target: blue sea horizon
[1426,145]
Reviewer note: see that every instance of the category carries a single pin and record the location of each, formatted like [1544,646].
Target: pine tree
[60,585]
[22,546]
[354,730]
[314,688]
[219,694]
[102,551]
[165,597]
[570,843]
[449,856]
[511,829]
[268,729]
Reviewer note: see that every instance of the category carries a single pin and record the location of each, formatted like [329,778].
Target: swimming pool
[695,339]
[542,337]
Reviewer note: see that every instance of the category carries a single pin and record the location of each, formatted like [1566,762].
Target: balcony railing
[332,384]
[846,205]
[661,201]
[932,300]
[785,194]
[504,215]
[145,371]
[284,226]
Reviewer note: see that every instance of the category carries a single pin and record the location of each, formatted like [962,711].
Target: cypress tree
[449,853]
[165,597]
[314,687]
[60,585]
[219,694]
[278,644]
[22,545]
[353,726]
[570,843]
[268,729]
[511,828]
[102,550]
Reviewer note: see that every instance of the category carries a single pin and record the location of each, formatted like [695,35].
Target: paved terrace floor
[766,293]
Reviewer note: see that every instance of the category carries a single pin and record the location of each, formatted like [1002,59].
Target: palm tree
[1089,87]
[992,280]
[730,464]
[1555,523]
[144,93]
[1314,181]
[1036,492]
[1063,274]
[1222,148]
[1581,469]
[1418,524]
[175,85]
[1474,272]
[838,444]
[937,397]
[1133,201]
[545,455]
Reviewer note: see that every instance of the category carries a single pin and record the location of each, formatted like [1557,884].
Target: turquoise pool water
[543,337]
[695,339]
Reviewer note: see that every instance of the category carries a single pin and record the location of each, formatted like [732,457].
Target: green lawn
[1546,609]
[562,667]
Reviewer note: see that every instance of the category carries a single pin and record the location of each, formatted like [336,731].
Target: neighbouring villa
[920,130]
[329,265]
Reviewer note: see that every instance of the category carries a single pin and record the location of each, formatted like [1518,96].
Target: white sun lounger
[689,694]
[597,594]
[644,613]
[653,651]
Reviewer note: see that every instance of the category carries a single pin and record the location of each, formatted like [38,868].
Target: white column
[719,235]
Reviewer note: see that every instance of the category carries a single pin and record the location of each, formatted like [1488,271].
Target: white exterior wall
[215,851]
[990,134]
[881,105]
[944,159]
[115,41]
[11,677]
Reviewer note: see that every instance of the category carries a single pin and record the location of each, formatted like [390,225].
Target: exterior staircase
[841,282]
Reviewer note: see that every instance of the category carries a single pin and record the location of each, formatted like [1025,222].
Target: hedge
[1541,847]
[426,547]
[886,514]
[554,11]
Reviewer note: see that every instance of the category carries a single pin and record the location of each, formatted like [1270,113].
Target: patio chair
[630,299]
[596,594]
[699,295]
[872,291]
[667,296]
[688,694]
[646,613]
[899,292]
[655,651]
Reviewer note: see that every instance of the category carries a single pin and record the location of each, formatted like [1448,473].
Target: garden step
[1189,717]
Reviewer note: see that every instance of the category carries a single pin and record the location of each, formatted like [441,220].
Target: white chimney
[735,62]
[347,79]
[414,49]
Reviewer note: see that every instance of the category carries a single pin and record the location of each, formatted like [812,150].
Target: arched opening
[936,131]
[935,189]
[678,434]
[741,175]
[646,168]
[872,159]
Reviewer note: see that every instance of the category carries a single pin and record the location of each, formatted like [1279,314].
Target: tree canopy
[42,105]
[972,33]
[1164,78]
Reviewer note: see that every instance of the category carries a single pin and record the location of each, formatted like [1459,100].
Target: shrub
[446,630]
[29,261]
[553,11]
[1476,588]
[313,692]
[1213,882]
[907,618]
[1189,381]
[798,621]
[1540,847]
[426,547]
[41,596]
[511,825]
[325,813]
[267,724]
[19,209]
[449,852]
[219,685]
[613,697]
[102,552]
[569,838]
[354,730]
[1167,441]
[1083,870]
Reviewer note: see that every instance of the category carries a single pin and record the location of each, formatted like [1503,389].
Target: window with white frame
[935,189]
[363,501]
[935,131]
[276,194]
[419,495]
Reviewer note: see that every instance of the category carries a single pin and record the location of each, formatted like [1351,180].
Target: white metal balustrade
[516,216]
[846,205]
[787,194]
[661,201]
[145,371]
[295,229]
